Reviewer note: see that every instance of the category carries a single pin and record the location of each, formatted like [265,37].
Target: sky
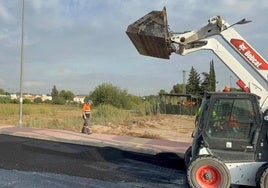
[78,45]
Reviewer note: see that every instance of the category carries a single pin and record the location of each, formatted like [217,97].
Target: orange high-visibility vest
[86,108]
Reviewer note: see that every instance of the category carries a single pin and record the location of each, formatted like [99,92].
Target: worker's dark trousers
[85,128]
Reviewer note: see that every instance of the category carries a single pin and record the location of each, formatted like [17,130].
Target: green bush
[109,94]
[58,100]
[5,99]
[38,100]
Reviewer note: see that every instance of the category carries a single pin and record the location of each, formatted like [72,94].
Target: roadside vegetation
[66,117]
[110,104]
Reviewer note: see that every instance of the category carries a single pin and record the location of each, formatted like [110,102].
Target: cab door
[230,127]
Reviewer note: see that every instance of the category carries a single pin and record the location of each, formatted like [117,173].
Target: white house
[79,98]
[13,96]
[46,97]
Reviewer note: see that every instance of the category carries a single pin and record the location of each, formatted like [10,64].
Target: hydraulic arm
[218,26]
[255,85]
[151,37]
[195,40]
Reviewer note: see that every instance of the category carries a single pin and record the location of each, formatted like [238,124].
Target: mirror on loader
[150,35]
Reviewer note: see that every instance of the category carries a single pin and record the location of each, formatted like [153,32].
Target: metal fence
[178,104]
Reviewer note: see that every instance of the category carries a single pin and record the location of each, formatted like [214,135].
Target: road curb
[143,145]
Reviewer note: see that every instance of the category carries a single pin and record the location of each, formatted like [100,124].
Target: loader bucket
[150,35]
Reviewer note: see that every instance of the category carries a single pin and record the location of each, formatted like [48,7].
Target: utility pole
[184,82]
[21,64]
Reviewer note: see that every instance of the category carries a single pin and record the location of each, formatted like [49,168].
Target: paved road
[29,162]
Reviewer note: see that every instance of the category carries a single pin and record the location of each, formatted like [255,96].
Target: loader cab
[228,126]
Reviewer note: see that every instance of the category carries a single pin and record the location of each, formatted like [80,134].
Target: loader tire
[188,156]
[262,176]
[208,172]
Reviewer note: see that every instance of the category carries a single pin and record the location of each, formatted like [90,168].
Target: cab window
[231,118]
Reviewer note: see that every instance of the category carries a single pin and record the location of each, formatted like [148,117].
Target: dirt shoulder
[167,127]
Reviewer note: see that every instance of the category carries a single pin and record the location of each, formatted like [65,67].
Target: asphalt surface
[51,158]
[40,157]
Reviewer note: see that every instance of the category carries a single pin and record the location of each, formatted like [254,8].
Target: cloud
[78,44]
[5,16]
[33,84]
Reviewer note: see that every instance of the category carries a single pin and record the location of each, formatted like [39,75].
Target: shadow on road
[102,163]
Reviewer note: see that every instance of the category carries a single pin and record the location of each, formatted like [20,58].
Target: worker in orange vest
[86,110]
[226,89]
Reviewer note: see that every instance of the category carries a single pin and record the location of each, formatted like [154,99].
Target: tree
[5,99]
[109,94]
[2,92]
[54,92]
[178,89]
[38,100]
[209,80]
[212,76]
[193,83]
[162,91]
[56,99]
[66,95]
[27,101]
[206,84]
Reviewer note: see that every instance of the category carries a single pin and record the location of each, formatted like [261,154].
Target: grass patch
[65,117]
[108,113]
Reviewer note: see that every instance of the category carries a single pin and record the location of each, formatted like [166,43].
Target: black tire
[208,172]
[262,176]
[188,156]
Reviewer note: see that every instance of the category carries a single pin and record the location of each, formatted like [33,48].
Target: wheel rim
[208,176]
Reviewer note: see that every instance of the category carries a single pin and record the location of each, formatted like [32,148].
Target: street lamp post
[21,65]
